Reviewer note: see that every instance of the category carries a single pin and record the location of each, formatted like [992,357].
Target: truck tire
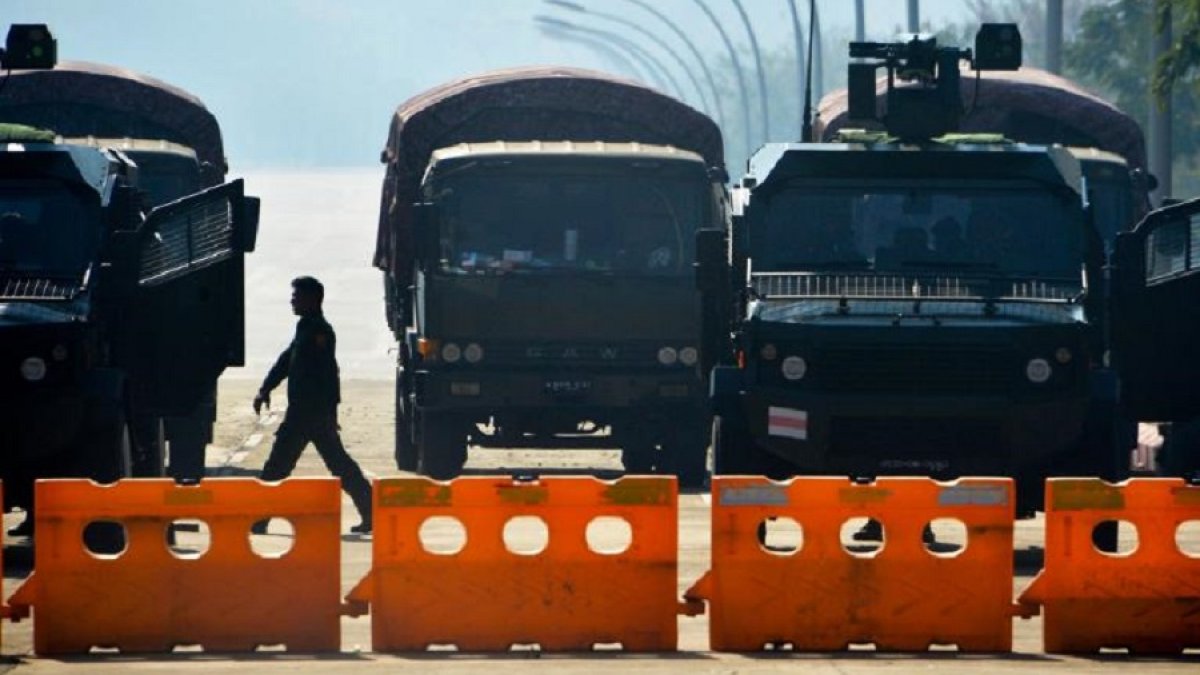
[107,458]
[637,455]
[736,454]
[405,450]
[731,445]
[688,453]
[149,449]
[441,448]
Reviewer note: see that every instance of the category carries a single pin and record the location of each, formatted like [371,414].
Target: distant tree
[1182,61]
[1111,54]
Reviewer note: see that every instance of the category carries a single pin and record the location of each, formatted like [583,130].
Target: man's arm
[274,376]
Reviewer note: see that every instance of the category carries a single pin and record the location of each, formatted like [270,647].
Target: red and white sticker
[788,423]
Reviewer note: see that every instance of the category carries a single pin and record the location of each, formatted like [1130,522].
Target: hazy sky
[301,83]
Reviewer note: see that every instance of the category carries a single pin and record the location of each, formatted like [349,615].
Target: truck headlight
[1037,370]
[688,356]
[668,356]
[33,369]
[451,353]
[794,368]
[473,353]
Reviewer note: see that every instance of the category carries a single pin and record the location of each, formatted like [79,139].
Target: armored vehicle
[109,315]
[176,144]
[1034,106]
[537,236]
[910,301]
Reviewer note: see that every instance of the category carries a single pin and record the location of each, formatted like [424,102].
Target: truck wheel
[107,458]
[406,450]
[736,454]
[442,448]
[637,455]
[149,448]
[688,453]
[731,444]
[108,452]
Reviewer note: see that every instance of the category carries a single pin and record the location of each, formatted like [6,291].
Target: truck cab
[555,304]
[909,308]
[107,313]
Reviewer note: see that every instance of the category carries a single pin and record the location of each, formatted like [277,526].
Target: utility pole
[914,16]
[683,37]
[860,21]
[1054,36]
[737,72]
[798,36]
[764,107]
[1160,114]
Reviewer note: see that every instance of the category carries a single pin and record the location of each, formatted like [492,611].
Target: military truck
[1034,106]
[176,143]
[536,235]
[910,301]
[108,314]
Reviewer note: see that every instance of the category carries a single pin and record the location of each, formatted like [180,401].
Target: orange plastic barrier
[487,598]
[822,598]
[1147,601]
[148,599]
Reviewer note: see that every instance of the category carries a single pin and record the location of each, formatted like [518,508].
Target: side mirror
[247,217]
[711,260]
[426,234]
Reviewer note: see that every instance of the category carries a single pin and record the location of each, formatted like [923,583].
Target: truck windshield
[947,230]
[45,230]
[165,176]
[640,222]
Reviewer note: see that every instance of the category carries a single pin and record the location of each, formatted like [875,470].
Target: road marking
[254,440]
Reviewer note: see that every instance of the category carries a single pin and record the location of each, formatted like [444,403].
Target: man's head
[307,295]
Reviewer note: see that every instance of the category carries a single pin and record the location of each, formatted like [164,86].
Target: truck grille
[565,354]
[33,288]
[925,370]
[796,285]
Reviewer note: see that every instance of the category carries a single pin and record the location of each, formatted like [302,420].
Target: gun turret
[923,79]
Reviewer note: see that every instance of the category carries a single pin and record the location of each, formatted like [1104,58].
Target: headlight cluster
[1039,370]
[669,356]
[792,367]
[34,368]
[452,353]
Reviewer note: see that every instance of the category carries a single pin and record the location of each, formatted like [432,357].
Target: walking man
[311,370]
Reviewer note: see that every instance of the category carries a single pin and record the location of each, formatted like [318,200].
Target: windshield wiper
[950,264]
[826,265]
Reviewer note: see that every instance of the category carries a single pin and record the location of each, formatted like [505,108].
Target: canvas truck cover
[523,104]
[1028,105]
[77,99]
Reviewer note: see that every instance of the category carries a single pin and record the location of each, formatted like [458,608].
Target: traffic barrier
[482,595]
[150,597]
[1146,601]
[821,596]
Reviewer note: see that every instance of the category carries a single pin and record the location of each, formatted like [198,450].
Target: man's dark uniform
[311,370]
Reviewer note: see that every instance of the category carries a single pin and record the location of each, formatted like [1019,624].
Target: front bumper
[905,435]
[490,392]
